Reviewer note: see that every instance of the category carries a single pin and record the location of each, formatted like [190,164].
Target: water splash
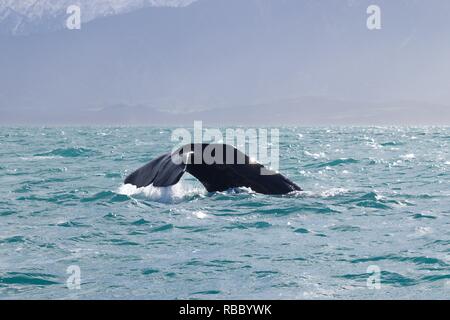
[174,194]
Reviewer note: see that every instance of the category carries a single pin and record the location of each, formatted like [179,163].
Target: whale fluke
[218,167]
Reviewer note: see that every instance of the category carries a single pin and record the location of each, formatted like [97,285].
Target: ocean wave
[327,193]
[164,227]
[387,278]
[391,143]
[419,260]
[70,207]
[372,200]
[107,195]
[66,198]
[13,239]
[67,152]
[248,225]
[337,162]
[19,278]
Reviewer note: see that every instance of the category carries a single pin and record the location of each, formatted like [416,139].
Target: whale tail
[217,166]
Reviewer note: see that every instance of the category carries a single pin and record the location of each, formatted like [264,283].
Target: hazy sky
[227,55]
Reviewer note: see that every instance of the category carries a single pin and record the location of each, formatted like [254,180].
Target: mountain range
[34,16]
[255,61]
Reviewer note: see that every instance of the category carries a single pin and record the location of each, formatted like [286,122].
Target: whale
[217,166]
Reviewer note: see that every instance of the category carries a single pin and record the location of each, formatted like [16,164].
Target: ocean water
[375,199]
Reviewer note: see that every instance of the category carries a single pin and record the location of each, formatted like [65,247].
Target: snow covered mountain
[21,17]
[289,61]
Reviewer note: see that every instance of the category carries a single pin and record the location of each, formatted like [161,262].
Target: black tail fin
[162,172]
[217,166]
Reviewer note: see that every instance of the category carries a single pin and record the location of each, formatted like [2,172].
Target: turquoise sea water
[373,197]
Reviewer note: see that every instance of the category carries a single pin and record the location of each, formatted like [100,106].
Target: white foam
[408,156]
[39,158]
[423,230]
[321,194]
[200,214]
[333,192]
[318,155]
[239,190]
[172,194]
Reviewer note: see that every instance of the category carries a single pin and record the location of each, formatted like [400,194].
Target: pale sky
[228,54]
